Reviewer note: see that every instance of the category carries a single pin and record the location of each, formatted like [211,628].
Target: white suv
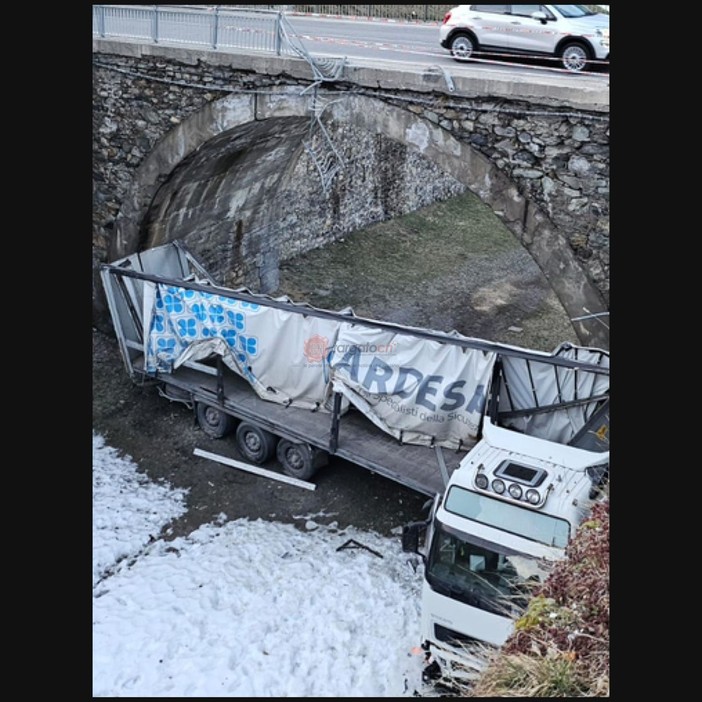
[573,34]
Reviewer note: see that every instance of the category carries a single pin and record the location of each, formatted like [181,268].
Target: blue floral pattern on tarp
[182,317]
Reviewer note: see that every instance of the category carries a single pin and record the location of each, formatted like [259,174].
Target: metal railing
[209,26]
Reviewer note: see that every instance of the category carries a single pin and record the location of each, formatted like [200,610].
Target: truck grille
[451,637]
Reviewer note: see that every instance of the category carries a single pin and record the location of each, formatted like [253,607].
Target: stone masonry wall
[558,158]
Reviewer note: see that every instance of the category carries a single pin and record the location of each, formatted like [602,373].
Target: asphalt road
[359,39]
[410,44]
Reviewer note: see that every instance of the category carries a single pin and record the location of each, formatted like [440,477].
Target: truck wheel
[256,444]
[213,421]
[297,459]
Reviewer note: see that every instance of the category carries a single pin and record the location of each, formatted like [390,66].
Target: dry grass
[450,265]
[523,675]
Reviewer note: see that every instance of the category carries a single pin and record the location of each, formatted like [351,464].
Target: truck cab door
[411,533]
[430,527]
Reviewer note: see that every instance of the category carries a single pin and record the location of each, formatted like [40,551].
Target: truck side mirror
[410,536]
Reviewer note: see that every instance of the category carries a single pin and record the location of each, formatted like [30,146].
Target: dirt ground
[161,436]
[472,276]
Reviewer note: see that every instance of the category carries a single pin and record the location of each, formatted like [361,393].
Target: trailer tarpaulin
[280,353]
[420,391]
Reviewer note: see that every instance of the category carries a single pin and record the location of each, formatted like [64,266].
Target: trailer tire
[256,445]
[298,460]
[213,421]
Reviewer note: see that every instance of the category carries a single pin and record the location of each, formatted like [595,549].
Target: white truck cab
[511,506]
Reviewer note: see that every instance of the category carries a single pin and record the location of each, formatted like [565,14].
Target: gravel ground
[471,276]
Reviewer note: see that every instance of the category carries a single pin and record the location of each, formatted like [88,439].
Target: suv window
[574,10]
[527,10]
[498,9]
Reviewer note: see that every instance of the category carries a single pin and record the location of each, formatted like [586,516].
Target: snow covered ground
[242,608]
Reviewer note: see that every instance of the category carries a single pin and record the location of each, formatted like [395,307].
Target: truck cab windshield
[474,574]
[522,521]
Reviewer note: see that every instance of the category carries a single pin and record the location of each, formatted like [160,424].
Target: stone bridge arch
[216,181]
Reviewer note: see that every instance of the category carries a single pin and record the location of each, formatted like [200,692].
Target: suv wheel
[574,56]
[462,47]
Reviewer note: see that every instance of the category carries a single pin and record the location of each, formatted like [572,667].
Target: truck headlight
[498,486]
[533,497]
[481,481]
[515,491]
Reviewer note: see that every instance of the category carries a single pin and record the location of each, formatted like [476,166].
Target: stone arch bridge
[251,162]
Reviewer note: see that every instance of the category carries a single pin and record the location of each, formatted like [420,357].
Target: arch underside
[242,183]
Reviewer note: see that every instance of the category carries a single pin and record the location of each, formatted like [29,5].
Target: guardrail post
[215,26]
[101,20]
[154,25]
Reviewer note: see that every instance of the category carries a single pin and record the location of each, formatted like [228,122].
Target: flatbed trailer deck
[359,440]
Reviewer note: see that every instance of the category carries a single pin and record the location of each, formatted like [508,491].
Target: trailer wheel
[213,421]
[256,444]
[297,460]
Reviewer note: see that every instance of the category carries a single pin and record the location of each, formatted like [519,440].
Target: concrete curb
[472,81]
